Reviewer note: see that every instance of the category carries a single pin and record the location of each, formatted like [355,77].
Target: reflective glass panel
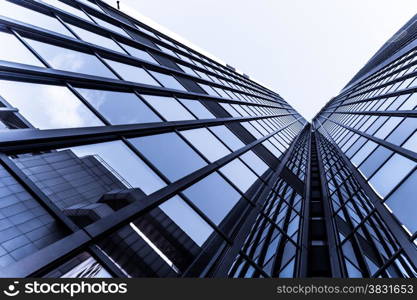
[170,154]
[239,174]
[391,173]
[214,196]
[141,54]
[94,38]
[13,50]
[403,203]
[47,106]
[32,17]
[168,81]
[124,164]
[119,107]
[227,137]
[255,162]
[70,60]
[206,143]
[169,108]
[132,73]
[68,8]
[197,109]
[186,218]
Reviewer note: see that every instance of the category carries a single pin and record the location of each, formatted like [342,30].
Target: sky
[305,50]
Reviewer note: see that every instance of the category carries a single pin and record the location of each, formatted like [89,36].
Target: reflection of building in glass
[87,189]
[126,154]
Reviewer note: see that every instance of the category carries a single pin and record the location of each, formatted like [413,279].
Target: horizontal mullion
[397,149]
[394,81]
[413,63]
[30,139]
[390,94]
[19,71]
[395,113]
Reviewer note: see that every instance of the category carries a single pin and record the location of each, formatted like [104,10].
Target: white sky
[305,50]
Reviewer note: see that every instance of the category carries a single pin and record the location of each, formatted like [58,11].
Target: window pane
[227,137]
[70,60]
[169,108]
[363,153]
[391,173]
[255,162]
[187,219]
[170,154]
[252,130]
[411,143]
[214,196]
[403,131]
[47,106]
[32,17]
[168,81]
[141,54]
[118,158]
[187,70]
[68,8]
[239,174]
[13,50]
[131,73]
[206,143]
[25,226]
[118,107]
[110,26]
[197,109]
[374,161]
[387,127]
[403,203]
[94,38]
[91,4]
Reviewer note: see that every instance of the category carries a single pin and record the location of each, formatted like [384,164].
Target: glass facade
[133,155]
[367,144]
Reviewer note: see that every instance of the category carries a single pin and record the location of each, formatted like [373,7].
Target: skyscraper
[368,143]
[124,153]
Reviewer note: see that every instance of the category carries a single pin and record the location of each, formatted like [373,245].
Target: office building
[125,153]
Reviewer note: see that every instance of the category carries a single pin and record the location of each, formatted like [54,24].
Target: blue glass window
[13,50]
[206,143]
[124,164]
[132,73]
[197,109]
[94,38]
[141,54]
[168,81]
[169,108]
[70,60]
[214,196]
[255,162]
[119,107]
[29,16]
[186,218]
[391,173]
[170,154]
[47,106]
[403,203]
[227,137]
[239,174]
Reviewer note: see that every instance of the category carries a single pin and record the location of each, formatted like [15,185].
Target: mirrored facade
[124,153]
